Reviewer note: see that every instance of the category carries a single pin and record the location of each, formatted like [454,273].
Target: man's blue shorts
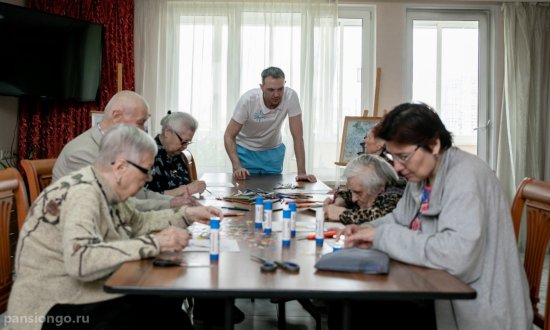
[264,161]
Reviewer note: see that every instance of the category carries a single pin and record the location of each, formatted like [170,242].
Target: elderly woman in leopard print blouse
[366,198]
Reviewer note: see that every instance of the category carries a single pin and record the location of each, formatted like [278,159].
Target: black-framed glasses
[147,172]
[183,143]
[403,159]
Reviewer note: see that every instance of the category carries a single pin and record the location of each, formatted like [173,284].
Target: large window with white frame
[219,57]
[449,67]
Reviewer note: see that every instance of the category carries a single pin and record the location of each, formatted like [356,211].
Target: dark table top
[236,275]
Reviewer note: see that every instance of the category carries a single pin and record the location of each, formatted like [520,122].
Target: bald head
[125,107]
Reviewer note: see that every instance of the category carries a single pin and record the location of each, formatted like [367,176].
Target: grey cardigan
[468,232]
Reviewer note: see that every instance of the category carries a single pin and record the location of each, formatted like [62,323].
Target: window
[220,53]
[356,35]
[449,55]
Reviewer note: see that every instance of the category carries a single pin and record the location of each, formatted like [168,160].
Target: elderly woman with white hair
[82,228]
[365,198]
[170,171]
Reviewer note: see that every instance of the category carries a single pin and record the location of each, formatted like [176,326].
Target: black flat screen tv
[48,56]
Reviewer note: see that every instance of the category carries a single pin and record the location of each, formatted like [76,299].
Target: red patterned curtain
[46,126]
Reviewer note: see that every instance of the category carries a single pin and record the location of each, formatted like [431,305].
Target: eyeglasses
[403,159]
[147,172]
[183,143]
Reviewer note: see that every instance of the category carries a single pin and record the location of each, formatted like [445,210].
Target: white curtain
[200,56]
[524,128]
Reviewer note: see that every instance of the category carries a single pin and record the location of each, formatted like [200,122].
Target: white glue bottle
[338,243]
[259,213]
[268,214]
[286,226]
[319,227]
[214,238]
[292,219]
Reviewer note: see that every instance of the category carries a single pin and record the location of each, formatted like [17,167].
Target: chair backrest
[534,196]
[12,192]
[190,162]
[38,173]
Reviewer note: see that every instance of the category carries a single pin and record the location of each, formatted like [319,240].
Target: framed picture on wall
[96,117]
[355,130]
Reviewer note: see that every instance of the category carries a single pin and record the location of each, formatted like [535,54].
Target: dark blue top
[169,172]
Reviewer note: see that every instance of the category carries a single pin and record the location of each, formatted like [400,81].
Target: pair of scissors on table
[271,266]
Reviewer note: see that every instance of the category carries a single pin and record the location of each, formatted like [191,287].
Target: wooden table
[235,275]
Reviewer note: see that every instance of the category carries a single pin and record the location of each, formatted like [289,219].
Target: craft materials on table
[236,208]
[203,245]
[233,214]
[287,186]
[271,266]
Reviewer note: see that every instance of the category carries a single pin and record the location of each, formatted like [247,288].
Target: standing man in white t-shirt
[253,136]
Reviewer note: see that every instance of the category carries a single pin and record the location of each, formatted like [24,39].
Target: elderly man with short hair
[125,107]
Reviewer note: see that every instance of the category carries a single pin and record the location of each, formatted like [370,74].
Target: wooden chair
[534,196]
[190,163]
[12,192]
[38,173]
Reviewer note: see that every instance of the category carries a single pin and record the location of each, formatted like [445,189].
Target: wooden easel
[118,77]
[366,112]
[376,94]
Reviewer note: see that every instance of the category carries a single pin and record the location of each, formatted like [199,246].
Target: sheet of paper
[219,184]
[203,245]
[199,230]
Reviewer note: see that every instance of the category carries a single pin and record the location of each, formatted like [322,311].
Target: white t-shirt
[262,126]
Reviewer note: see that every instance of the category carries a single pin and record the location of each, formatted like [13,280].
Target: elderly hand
[195,187]
[172,239]
[203,214]
[359,236]
[306,177]
[332,211]
[184,201]
[240,173]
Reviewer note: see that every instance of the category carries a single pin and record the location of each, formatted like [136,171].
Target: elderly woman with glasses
[453,216]
[81,229]
[373,145]
[365,199]
[170,171]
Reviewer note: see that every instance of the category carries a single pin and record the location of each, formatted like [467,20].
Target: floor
[262,314]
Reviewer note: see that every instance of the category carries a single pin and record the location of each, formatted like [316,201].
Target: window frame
[486,104]
[368,71]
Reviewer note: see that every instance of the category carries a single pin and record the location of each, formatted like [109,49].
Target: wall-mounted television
[48,56]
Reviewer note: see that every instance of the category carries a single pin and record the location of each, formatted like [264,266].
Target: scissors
[271,266]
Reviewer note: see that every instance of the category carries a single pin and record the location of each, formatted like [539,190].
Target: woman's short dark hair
[414,123]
